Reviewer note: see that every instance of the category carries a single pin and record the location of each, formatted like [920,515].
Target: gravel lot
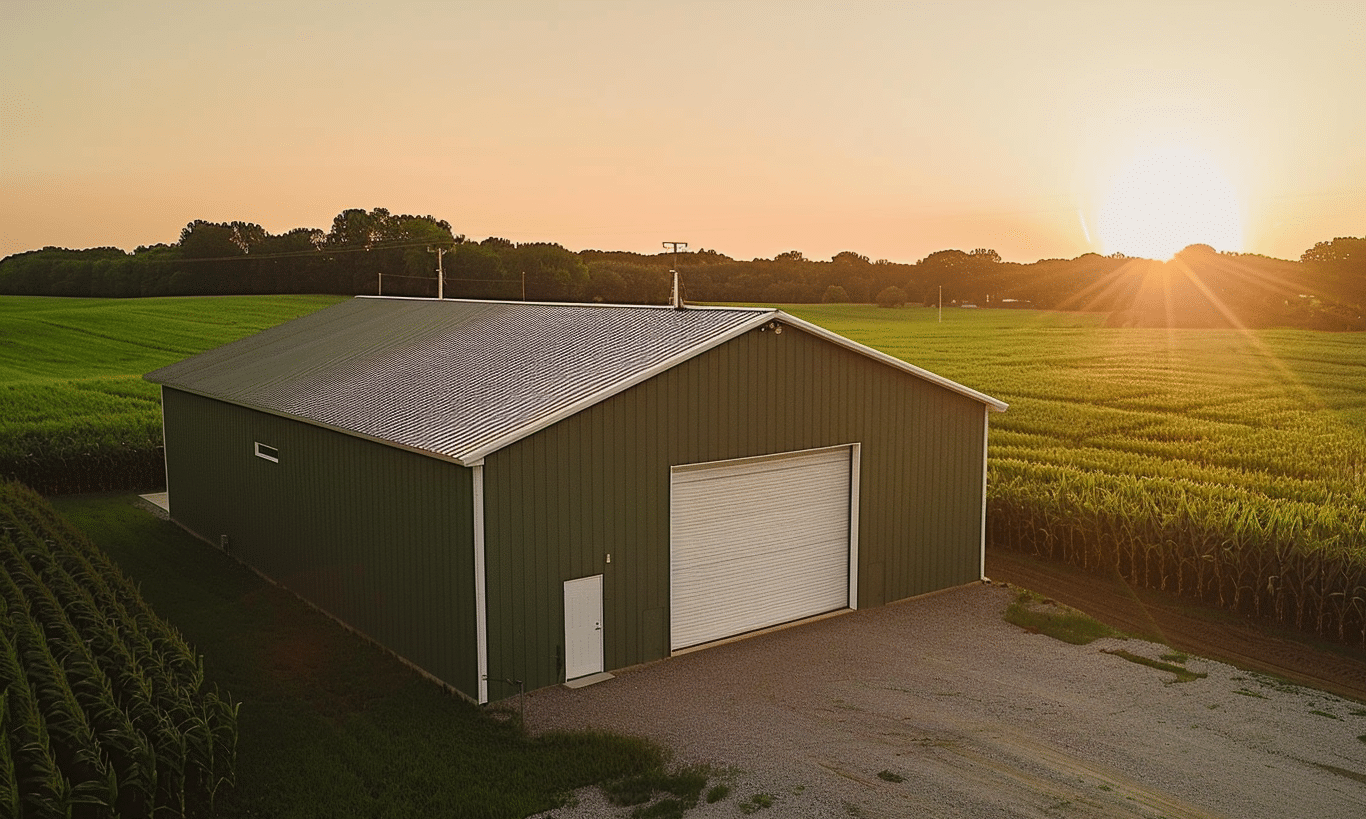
[978,718]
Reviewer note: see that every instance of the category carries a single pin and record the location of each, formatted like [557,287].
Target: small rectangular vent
[270,453]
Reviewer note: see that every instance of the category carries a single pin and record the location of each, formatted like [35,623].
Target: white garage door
[756,542]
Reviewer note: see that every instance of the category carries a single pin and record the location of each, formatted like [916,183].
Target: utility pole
[941,304]
[677,298]
[440,274]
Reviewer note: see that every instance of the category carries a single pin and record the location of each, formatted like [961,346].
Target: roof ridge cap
[513,303]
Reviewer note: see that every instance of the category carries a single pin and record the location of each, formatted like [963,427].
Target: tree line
[370,252]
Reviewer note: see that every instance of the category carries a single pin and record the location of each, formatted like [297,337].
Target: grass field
[73,405]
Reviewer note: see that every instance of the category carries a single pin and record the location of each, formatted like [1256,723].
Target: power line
[295,254]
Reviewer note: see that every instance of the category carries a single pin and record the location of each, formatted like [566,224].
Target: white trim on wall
[165,451]
[481,618]
[982,563]
[855,454]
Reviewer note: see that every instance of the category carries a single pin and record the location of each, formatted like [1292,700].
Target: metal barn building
[542,492]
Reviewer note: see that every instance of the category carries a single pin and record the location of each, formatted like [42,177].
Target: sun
[1166,200]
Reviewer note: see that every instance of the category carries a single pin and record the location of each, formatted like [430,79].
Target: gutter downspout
[481,620]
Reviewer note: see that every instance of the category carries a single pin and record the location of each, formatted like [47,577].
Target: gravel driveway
[979,719]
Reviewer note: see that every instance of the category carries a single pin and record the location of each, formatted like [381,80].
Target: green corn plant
[1207,541]
[71,738]
[9,782]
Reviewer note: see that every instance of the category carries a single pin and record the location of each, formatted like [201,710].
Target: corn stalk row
[105,711]
[1297,563]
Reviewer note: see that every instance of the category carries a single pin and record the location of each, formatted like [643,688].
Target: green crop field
[104,708]
[75,414]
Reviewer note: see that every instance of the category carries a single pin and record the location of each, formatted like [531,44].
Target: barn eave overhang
[351,433]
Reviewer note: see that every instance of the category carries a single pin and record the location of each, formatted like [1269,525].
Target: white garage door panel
[758,542]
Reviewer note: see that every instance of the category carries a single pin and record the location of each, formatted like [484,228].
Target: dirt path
[938,707]
[1198,630]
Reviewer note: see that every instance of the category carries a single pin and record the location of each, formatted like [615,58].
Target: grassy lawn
[330,726]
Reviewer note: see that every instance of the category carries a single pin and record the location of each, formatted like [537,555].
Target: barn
[507,493]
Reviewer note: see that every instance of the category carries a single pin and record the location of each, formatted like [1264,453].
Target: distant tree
[1341,266]
[956,261]
[397,260]
[891,297]
[475,270]
[1341,249]
[849,257]
[621,281]
[704,256]
[552,272]
[217,240]
[946,260]
[790,256]
[834,294]
[354,228]
[1197,251]
[298,240]
[420,229]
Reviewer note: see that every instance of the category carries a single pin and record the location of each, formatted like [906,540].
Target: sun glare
[1167,200]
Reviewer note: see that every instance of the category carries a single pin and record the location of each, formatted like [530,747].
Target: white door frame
[583,627]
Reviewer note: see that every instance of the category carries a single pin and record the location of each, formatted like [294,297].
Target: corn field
[1296,562]
[105,711]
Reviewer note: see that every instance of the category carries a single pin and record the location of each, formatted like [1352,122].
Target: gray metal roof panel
[454,378]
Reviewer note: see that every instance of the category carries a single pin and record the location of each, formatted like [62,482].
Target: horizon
[693,251]
[1043,132]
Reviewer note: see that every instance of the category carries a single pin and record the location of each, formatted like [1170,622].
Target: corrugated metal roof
[454,378]
[462,379]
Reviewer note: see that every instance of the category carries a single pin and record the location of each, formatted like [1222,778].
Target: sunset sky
[1040,129]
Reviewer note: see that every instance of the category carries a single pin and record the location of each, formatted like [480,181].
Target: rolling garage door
[756,542]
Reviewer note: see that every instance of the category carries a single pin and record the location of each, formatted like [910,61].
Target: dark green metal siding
[558,501]
[378,537]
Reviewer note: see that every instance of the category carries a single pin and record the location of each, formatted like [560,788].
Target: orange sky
[752,128]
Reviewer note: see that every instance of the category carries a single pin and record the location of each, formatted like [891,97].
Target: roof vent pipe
[677,298]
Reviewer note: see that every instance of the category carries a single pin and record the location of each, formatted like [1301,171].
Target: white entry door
[582,627]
